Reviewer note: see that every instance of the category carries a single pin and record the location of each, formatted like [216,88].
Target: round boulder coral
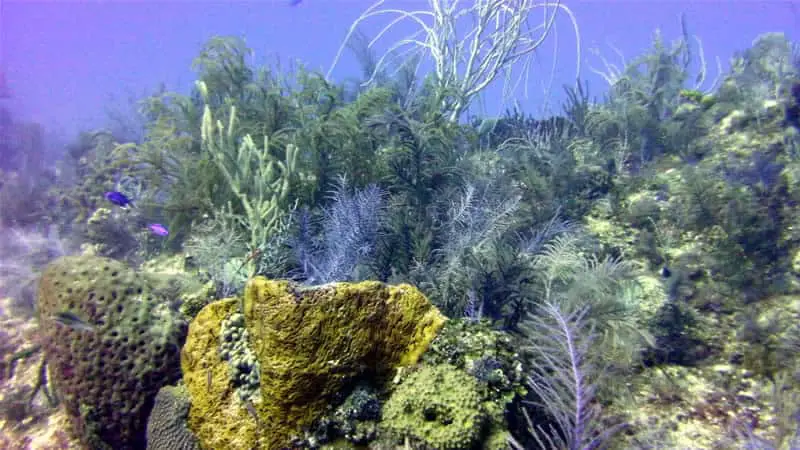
[111,343]
[438,407]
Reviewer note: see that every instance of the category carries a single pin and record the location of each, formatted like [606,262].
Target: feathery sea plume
[350,227]
[564,381]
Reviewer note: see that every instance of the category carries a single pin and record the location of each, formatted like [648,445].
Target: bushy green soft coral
[643,209]
[611,235]
[698,97]
[108,374]
[436,407]
[260,181]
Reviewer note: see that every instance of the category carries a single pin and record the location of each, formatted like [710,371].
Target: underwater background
[432,224]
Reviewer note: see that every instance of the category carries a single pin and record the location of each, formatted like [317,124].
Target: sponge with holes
[120,347]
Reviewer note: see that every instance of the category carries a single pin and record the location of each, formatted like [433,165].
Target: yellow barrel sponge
[310,342]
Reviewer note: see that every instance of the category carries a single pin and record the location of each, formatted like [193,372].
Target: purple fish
[158,229]
[118,198]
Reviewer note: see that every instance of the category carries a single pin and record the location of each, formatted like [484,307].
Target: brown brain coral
[109,374]
[166,428]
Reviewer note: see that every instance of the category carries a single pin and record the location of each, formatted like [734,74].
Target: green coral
[436,407]
[488,355]
[259,181]
[107,371]
[698,97]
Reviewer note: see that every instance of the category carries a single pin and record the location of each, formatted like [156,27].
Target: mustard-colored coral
[217,418]
[310,342]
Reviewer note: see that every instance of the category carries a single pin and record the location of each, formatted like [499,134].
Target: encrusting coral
[437,407]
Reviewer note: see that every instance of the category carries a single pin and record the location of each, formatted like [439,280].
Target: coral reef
[632,264]
[310,344]
[109,233]
[108,370]
[437,407]
[166,427]
[722,232]
[487,354]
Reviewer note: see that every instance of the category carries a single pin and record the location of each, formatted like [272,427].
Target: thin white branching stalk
[610,72]
[500,38]
[703,70]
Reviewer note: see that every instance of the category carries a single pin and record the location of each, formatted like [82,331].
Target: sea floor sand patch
[26,424]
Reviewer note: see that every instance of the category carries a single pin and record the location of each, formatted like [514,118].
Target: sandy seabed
[26,424]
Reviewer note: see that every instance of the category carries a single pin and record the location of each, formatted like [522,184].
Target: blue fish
[158,229]
[118,198]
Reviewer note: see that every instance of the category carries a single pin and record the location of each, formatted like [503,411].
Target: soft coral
[793,106]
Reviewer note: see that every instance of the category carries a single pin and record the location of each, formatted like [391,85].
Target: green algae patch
[437,407]
[310,343]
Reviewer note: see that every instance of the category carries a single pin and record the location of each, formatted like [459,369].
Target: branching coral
[500,38]
[475,221]
[260,181]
